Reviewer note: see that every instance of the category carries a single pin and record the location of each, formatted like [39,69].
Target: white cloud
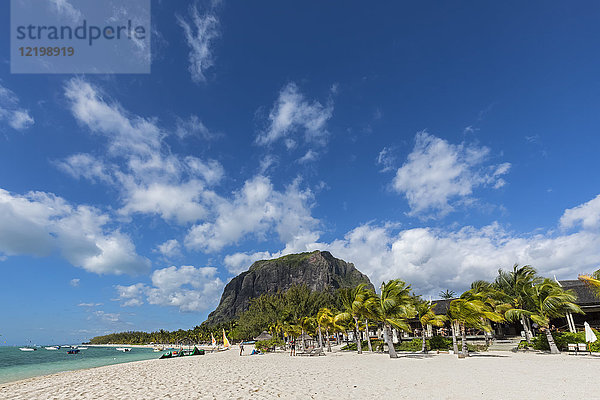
[586,215]
[152,180]
[66,9]
[310,156]
[437,174]
[40,223]
[85,166]
[188,288]
[131,296]
[176,202]
[293,114]
[169,249]
[386,159]
[239,262]
[199,36]
[90,304]
[127,135]
[436,259]
[256,209]
[193,126]
[74,282]
[10,112]
[111,318]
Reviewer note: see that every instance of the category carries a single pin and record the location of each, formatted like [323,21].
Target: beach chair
[582,348]
[572,348]
[307,352]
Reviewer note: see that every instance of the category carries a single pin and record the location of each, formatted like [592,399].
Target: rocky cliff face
[318,270]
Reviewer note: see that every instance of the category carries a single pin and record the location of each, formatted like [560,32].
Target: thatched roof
[264,336]
[305,336]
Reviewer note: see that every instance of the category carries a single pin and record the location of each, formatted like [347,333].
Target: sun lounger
[582,348]
[312,351]
[572,348]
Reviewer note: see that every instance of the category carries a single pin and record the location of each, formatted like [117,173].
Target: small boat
[27,348]
[73,351]
[82,348]
[123,349]
[52,348]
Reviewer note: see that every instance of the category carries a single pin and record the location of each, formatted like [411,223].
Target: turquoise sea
[16,364]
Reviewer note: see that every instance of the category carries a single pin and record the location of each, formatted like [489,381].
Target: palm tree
[549,300]
[426,317]
[447,294]
[517,284]
[469,310]
[393,308]
[592,281]
[324,320]
[357,303]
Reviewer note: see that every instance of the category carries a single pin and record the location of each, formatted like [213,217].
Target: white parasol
[590,336]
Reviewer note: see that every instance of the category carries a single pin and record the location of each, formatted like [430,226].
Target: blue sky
[430,142]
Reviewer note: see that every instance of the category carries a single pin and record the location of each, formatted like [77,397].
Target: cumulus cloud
[199,35]
[10,112]
[169,249]
[433,259]
[437,174]
[293,114]
[256,209]
[151,180]
[586,215]
[188,288]
[41,223]
[85,166]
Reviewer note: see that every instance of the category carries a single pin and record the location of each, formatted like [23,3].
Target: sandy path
[338,375]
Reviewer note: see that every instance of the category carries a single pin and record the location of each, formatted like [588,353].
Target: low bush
[562,339]
[268,345]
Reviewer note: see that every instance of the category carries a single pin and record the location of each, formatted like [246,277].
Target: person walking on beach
[241,348]
[293,348]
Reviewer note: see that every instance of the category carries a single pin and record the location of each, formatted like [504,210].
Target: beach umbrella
[590,336]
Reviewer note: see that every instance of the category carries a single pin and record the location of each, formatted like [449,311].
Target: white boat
[82,348]
[52,348]
[27,349]
[124,349]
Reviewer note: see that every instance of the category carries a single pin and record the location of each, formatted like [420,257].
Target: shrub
[268,345]
[439,343]
[562,339]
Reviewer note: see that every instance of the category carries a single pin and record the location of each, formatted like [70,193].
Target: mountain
[318,270]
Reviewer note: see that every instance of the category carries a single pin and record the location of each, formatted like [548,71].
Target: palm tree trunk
[454,342]
[320,337]
[358,338]
[303,341]
[553,348]
[328,341]
[368,336]
[389,341]
[524,323]
[424,344]
[465,350]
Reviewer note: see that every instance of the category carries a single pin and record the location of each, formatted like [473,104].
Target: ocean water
[16,364]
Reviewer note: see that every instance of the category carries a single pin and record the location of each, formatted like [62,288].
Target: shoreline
[339,374]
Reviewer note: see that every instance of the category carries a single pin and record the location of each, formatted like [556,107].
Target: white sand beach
[226,375]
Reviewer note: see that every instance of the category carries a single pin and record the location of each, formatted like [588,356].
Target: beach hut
[264,336]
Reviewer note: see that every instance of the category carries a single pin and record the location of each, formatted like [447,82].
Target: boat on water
[27,348]
[123,349]
[73,351]
[82,348]
[52,347]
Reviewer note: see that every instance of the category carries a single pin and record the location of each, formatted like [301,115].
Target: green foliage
[439,343]
[414,345]
[562,339]
[377,345]
[268,345]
